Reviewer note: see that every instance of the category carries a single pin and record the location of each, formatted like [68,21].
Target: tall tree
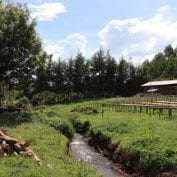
[157,66]
[19,45]
[79,72]
[169,52]
[98,72]
[70,75]
[122,76]
[59,76]
[110,75]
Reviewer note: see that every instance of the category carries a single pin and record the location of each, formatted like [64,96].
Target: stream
[82,151]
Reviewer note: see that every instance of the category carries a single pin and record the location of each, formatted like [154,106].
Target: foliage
[19,45]
[65,128]
[81,127]
[163,65]
[45,97]
[14,119]
[15,99]
[26,67]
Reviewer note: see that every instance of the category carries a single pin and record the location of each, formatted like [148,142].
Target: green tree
[50,71]
[169,52]
[122,77]
[70,75]
[59,76]
[110,75]
[20,46]
[97,65]
[79,73]
[41,74]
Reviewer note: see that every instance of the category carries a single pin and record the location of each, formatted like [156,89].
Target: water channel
[82,151]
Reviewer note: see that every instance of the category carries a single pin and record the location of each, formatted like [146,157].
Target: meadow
[152,140]
[43,131]
[49,128]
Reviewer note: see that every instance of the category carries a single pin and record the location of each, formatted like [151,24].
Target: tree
[79,73]
[41,74]
[70,76]
[122,76]
[157,66]
[59,78]
[169,52]
[110,75]
[50,71]
[20,45]
[98,72]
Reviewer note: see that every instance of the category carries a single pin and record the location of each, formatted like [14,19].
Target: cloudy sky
[135,29]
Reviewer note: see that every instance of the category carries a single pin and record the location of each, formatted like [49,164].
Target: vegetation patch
[80,127]
[85,110]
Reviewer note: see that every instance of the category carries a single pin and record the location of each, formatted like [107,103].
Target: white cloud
[54,50]
[139,38]
[47,11]
[67,47]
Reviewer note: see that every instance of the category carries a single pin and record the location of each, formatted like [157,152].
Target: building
[165,87]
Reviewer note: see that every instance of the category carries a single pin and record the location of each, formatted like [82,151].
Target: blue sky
[134,29]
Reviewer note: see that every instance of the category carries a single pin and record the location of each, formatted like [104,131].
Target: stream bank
[83,152]
[124,161]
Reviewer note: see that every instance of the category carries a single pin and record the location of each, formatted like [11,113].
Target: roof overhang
[160,83]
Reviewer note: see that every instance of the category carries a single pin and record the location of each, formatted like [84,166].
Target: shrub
[23,103]
[65,128]
[81,127]
[13,119]
[45,97]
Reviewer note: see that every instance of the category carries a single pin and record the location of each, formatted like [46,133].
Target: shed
[167,87]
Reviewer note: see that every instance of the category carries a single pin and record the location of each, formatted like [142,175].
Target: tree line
[99,76]
[25,66]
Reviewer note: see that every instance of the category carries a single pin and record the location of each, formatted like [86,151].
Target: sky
[133,29]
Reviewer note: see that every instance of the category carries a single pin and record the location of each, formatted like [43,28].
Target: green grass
[154,139]
[48,144]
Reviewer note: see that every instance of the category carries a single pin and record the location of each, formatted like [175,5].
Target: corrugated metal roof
[158,83]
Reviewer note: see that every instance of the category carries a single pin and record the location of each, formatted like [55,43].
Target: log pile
[12,146]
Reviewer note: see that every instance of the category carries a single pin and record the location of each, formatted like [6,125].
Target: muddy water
[82,151]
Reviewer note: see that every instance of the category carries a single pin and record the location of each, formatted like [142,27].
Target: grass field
[47,142]
[153,139]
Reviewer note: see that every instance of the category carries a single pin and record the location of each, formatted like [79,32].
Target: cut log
[10,145]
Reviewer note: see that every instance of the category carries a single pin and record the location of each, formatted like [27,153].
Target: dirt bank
[124,161]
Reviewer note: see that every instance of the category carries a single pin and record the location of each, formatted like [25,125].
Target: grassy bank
[42,130]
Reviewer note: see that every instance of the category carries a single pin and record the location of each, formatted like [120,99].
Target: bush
[64,127]
[23,103]
[81,127]
[13,119]
[45,97]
